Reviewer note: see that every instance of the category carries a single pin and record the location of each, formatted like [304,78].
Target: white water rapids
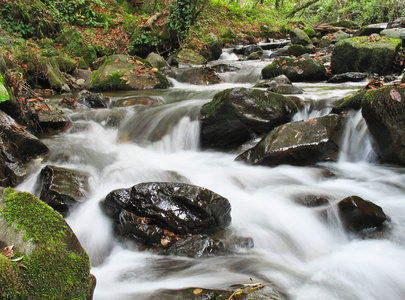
[305,254]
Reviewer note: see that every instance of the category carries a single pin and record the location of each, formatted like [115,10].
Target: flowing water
[304,251]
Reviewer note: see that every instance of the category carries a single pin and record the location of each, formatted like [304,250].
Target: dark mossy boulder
[247,50]
[300,69]
[73,42]
[384,112]
[365,54]
[372,29]
[56,265]
[349,102]
[299,36]
[197,75]
[298,50]
[236,115]
[358,214]
[123,72]
[349,76]
[212,48]
[92,100]
[62,188]
[178,207]
[298,143]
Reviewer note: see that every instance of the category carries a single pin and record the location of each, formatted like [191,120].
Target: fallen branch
[301,7]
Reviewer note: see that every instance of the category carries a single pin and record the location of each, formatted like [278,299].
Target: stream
[303,253]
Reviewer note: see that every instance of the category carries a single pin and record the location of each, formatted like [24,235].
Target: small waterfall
[356,144]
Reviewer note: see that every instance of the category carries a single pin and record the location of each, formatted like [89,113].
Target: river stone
[266,292]
[197,75]
[157,61]
[213,49]
[56,265]
[178,207]
[188,56]
[395,33]
[92,100]
[236,115]
[124,72]
[349,76]
[358,214]
[196,245]
[62,188]
[299,69]
[298,50]
[286,89]
[365,54]
[349,102]
[299,143]
[384,112]
[371,29]
[247,50]
[299,36]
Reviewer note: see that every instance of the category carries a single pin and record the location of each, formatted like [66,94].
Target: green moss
[298,50]
[57,267]
[310,32]
[11,286]
[349,102]
[3,91]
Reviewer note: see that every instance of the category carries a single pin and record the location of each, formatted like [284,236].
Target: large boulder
[123,72]
[236,115]
[300,69]
[299,36]
[384,112]
[53,265]
[365,54]
[188,56]
[62,188]
[300,143]
[358,214]
[178,207]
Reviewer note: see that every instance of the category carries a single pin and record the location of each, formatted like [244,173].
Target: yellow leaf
[197,291]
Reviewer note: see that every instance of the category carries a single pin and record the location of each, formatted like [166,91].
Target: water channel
[305,254]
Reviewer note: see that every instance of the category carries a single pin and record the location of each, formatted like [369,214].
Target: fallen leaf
[130,61]
[197,291]
[7,251]
[21,265]
[117,60]
[138,62]
[395,95]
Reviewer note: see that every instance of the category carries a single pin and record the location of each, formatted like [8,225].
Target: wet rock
[197,75]
[255,55]
[365,54]
[223,68]
[349,76]
[311,200]
[92,100]
[146,101]
[245,292]
[298,143]
[302,69]
[196,246]
[282,88]
[234,116]
[123,72]
[213,49]
[298,36]
[62,188]
[358,214]
[247,50]
[177,207]
[384,112]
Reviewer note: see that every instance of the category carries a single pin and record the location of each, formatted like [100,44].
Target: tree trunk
[300,7]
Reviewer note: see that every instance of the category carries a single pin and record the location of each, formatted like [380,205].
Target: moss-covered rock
[298,36]
[365,54]
[236,115]
[384,112]
[349,102]
[4,96]
[123,72]
[189,56]
[57,267]
[310,32]
[73,42]
[298,50]
[302,69]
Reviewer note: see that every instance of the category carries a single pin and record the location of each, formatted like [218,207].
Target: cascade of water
[303,250]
